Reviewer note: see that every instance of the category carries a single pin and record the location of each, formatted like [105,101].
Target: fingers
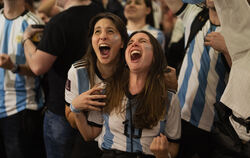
[96,88]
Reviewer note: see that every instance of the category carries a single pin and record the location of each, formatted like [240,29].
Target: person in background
[47,9]
[174,34]
[233,108]
[1,4]
[201,81]
[113,6]
[21,99]
[63,42]
[139,15]
[135,120]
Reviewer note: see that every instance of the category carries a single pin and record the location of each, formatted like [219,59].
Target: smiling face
[136,9]
[139,53]
[106,42]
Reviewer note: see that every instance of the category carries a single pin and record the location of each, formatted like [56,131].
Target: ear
[148,10]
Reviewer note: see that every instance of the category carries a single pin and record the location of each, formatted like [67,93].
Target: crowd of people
[124,78]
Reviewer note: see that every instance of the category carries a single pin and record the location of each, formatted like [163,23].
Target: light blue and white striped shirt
[117,132]
[203,75]
[17,92]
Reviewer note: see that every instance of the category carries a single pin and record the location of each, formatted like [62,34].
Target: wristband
[73,109]
[23,41]
[15,69]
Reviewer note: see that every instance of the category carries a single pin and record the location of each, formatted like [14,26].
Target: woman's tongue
[104,51]
[135,56]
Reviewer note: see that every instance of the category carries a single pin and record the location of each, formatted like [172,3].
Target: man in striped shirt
[20,93]
[202,79]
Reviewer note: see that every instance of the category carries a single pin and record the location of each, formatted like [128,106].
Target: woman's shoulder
[80,64]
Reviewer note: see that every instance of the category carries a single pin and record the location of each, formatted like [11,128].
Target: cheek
[148,47]
[115,39]
[95,43]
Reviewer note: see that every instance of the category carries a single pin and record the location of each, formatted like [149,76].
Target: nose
[134,44]
[103,36]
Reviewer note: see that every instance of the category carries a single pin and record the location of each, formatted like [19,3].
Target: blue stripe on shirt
[183,90]
[221,71]
[83,82]
[7,30]
[108,136]
[199,100]
[20,82]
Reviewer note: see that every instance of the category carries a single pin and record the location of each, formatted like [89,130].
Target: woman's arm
[70,116]
[87,131]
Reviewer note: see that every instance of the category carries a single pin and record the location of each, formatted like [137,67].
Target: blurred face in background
[136,9]
[61,3]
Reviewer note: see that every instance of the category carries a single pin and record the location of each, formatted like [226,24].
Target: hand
[30,31]
[216,41]
[5,62]
[171,79]
[88,101]
[159,146]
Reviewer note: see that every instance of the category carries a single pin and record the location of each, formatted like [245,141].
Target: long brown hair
[90,56]
[152,100]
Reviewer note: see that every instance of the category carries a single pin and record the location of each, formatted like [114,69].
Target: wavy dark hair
[90,56]
[152,101]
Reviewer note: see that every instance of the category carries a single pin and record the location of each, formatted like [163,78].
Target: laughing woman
[137,120]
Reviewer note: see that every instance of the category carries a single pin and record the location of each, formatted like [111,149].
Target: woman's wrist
[24,40]
[74,110]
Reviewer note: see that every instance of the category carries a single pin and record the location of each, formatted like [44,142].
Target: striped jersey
[78,80]
[203,75]
[17,92]
[117,130]
[158,34]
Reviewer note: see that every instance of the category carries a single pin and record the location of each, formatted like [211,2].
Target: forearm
[24,69]
[87,131]
[70,117]
[29,51]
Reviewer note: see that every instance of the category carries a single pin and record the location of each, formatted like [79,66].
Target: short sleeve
[54,38]
[173,123]
[71,86]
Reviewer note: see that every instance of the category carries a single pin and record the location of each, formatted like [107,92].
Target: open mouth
[104,49]
[135,55]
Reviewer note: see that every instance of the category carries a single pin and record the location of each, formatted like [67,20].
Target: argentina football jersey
[17,92]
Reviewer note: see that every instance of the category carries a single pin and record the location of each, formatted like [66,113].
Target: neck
[214,17]
[73,3]
[136,82]
[14,8]
[106,70]
[135,25]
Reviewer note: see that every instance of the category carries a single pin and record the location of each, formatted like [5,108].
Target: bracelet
[15,69]
[23,41]
[74,110]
